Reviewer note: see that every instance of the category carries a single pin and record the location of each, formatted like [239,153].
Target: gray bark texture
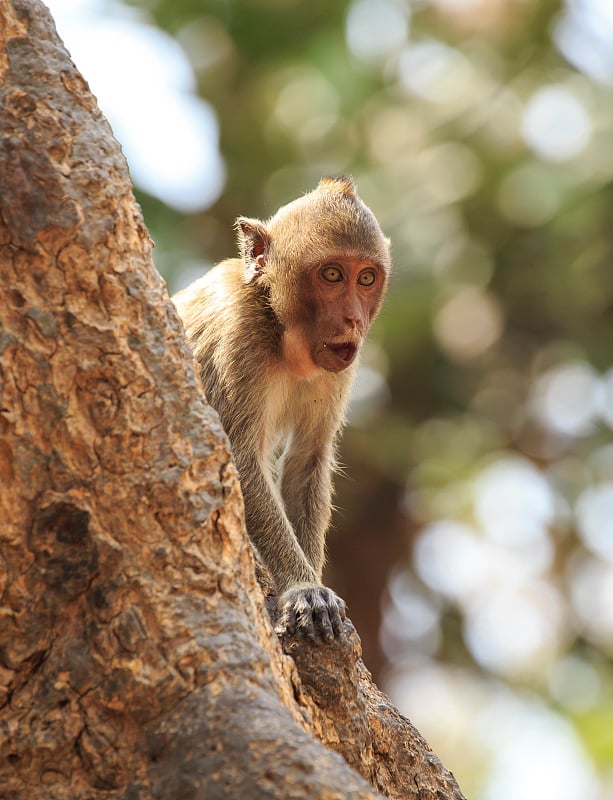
[136,657]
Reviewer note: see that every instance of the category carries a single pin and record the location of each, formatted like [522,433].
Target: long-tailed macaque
[277,334]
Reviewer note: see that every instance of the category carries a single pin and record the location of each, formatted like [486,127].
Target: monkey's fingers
[287,622]
[298,614]
[328,614]
[295,617]
[337,614]
[305,623]
[323,611]
[322,623]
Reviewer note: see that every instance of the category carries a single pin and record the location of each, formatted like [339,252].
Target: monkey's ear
[253,245]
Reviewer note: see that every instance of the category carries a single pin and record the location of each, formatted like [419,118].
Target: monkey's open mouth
[345,351]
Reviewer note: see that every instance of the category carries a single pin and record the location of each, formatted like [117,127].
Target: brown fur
[272,338]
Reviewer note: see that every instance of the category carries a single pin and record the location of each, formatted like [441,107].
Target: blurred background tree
[474,533]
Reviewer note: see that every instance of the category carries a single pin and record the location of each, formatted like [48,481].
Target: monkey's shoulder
[218,303]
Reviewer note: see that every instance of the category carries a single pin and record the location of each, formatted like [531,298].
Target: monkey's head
[324,264]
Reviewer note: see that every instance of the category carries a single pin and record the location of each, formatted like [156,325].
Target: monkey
[276,333]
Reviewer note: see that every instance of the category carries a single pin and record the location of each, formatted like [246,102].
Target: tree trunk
[136,657]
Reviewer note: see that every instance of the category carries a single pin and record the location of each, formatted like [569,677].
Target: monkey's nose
[352,322]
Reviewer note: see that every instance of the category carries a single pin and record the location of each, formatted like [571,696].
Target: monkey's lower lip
[345,351]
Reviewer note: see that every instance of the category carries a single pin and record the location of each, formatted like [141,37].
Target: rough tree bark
[136,657]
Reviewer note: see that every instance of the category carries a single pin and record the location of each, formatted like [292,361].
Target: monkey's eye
[332,274]
[367,278]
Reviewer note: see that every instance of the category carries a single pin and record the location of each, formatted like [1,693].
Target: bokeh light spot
[517,629]
[410,626]
[594,512]
[303,90]
[567,398]
[376,28]
[514,503]
[607,398]
[468,324]
[450,559]
[583,32]
[437,73]
[591,587]
[537,757]
[555,124]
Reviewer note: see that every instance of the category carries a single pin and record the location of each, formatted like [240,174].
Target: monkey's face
[339,300]
[325,306]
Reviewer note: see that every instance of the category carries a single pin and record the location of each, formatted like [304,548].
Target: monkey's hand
[310,611]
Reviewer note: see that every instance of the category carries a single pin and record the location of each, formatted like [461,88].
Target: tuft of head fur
[343,184]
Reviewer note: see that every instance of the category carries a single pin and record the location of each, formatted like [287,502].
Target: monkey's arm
[269,526]
[305,606]
[306,488]
[307,491]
